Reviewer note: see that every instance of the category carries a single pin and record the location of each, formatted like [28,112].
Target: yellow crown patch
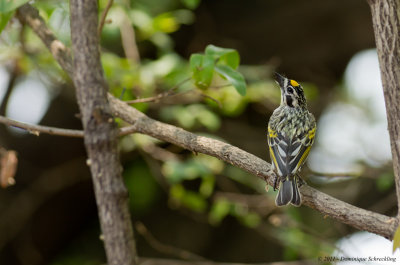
[294,83]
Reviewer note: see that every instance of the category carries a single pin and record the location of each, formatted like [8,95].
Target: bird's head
[292,93]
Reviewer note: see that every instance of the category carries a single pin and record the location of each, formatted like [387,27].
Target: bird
[291,133]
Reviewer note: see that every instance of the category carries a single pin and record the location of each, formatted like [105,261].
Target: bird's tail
[288,193]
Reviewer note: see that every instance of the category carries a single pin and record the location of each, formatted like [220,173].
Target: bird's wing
[288,154]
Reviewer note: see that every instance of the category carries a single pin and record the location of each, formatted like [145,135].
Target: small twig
[221,86]
[128,37]
[104,16]
[38,129]
[164,248]
[30,16]
[159,96]
[156,98]
[211,98]
[10,86]
[8,167]
[170,93]
[122,93]
[146,100]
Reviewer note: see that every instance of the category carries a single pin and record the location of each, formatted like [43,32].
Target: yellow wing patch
[273,157]
[294,83]
[311,134]
[303,157]
[272,133]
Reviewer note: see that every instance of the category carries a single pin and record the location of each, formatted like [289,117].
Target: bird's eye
[290,90]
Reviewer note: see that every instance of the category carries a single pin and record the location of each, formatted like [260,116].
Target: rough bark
[386,23]
[100,136]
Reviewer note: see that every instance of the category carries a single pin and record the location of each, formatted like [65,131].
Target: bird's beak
[279,79]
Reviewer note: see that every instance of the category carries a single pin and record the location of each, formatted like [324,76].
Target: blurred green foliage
[192,116]
[385,181]
[4,18]
[144,190]
[9,6]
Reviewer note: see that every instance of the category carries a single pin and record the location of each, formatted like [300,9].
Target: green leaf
[234,77]
[10,5]
[396,239]
[225,56]
[4,18]
[202,67]
[196,61]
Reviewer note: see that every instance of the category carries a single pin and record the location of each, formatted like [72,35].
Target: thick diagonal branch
[327,205]
[100,136]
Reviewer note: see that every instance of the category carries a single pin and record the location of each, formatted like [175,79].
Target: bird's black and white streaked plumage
[291,132]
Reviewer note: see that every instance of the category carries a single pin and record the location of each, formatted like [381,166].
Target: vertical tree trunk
[386,22]
[100,135]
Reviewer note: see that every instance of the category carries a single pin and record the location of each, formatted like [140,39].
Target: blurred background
[185,205]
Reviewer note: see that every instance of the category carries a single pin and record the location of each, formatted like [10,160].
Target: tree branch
[386,23]
[38,129]
[104,16]
[169,92]
[128,38]
[13,77]
[30,16]
[327,205]
[100,136]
